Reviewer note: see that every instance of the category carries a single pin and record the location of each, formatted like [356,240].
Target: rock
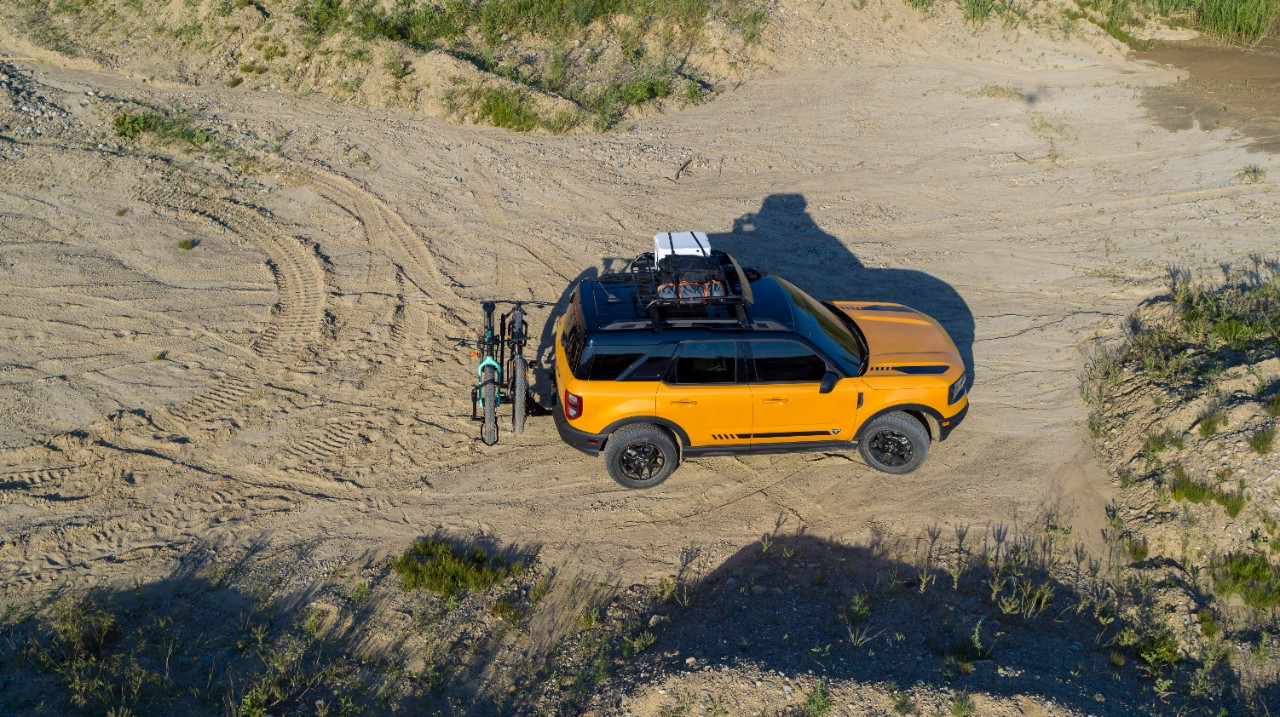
[759,590]
[691,661]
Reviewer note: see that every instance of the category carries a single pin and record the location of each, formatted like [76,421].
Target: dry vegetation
[1185,409]
[520,64]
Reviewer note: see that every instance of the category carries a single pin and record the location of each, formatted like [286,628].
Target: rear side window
[707,362]
[654,366]
[574,337]
[786,362]
[608,362]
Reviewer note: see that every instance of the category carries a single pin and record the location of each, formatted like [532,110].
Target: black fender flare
[932,418]
[681,437]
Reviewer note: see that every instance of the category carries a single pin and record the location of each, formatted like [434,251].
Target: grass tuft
[1211,423]
[1253,174]
[818,703]
[1249,575]
[1156,443]
[1184,488]
[441,566]
[1272,406]
[1263,440]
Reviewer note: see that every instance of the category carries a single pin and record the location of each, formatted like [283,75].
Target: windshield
[828,330]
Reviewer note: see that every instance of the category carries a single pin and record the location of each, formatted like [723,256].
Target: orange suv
[687,354]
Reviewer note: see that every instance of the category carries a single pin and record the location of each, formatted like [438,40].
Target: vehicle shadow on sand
[783,238]
[998,613]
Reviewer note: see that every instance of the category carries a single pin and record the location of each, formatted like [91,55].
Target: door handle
[775,400]
[684,403]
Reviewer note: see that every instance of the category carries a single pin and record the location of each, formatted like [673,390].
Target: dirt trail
[309,388]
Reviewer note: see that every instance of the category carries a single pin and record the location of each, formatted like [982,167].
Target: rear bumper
[947,425]
[589,443]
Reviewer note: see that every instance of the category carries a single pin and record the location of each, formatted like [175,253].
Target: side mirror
[828,383]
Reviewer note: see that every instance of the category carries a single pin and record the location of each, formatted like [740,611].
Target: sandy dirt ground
[292,379]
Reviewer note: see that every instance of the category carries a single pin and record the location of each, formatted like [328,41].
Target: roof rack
[681,287]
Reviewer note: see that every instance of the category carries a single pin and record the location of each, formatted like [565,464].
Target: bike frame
[499,345]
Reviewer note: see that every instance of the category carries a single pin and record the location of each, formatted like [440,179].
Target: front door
[787,402]
[706,394]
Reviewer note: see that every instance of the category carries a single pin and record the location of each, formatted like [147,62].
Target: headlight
[956,392]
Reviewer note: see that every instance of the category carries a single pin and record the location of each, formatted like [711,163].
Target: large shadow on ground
[1021,616]
[783,238]
[999,613]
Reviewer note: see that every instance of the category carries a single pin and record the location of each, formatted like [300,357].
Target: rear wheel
[894,443]
[640,456]
[519,393]
[489,397]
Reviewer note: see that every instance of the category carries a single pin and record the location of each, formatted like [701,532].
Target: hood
[902,338]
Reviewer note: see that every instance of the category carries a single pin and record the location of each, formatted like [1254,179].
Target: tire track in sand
[296,319]
[389,237]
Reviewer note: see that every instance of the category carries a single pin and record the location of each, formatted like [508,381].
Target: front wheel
[489,399]
[519,393]
[640,456]
[894,443]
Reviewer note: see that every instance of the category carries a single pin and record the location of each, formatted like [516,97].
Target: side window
[609,362]
[654,366]
[707,362]
[786,362]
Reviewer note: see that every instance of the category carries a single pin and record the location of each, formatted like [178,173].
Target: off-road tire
[894,443]
[640,456]
[519,393]
[489,397]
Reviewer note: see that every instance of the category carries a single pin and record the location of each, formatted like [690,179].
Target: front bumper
[947,425]
[589,443]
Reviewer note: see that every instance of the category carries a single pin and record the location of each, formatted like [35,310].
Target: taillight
[572,405]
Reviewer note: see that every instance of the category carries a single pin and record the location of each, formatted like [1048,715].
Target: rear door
[788,404]
[705,392]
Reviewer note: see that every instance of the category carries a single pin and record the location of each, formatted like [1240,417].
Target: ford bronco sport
[687,354]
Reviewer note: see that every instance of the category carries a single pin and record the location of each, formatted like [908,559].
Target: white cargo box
[691,243]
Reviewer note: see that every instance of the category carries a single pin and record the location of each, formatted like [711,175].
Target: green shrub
[1211,423]
[818,703]
[167,128]
[1262,440]
[1159,649]
[1183,488]
[1248,575]
[186,245]
[1137,549]
[440,566]
[1208,626]
[508,108]
[132,125]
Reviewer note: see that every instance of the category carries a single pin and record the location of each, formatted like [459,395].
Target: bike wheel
[519,392]
[489,397]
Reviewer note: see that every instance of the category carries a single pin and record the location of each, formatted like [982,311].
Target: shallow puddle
[1231,87]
